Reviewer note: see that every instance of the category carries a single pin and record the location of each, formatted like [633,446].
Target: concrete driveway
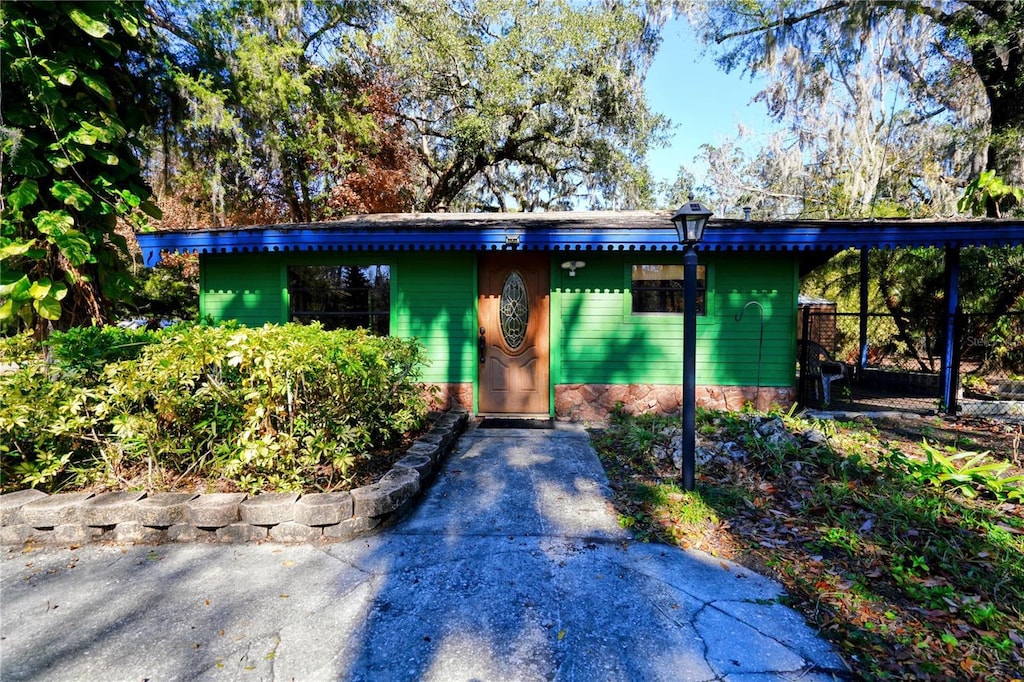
[510,567]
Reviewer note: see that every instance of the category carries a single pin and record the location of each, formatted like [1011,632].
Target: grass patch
[913,568]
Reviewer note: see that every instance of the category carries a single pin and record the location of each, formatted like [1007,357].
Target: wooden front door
[513,333]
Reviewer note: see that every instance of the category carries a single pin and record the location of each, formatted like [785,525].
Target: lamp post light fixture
[690,221]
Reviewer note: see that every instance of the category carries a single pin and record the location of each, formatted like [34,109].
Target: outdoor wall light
[512,236]
[573,265]
[690,221]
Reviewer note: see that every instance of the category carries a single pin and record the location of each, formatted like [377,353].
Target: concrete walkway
[511,567]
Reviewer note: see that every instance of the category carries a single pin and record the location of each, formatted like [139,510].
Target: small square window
[659,289]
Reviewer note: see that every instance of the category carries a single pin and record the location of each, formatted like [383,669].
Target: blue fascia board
[721,236]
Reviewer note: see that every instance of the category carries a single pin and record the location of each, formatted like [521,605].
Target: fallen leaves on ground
[909,582]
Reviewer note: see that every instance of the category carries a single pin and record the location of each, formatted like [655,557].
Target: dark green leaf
[64,156]
[67,77]
[40,288]
[64,74]
[151,209]
[26,165]
[15,248]
[98,86]
[115,130]
[129,24]
[110,47]
[131,199]
[74,246]
[59,291]
[120,242]
[25,312]
[103,133]
[59,119]
[48,222]
[105,157]
[84,136]
[48,308]
[16,287]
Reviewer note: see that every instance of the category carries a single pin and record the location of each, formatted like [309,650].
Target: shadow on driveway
[510,567]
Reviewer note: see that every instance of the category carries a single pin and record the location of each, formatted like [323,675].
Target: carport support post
[948,375]
[689,366]
[863,307]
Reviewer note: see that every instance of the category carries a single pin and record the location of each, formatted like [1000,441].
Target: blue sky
[704,103]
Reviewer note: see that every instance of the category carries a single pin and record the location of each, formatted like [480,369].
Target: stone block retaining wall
[137,517]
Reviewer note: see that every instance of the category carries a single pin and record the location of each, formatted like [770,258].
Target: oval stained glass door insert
[514,310]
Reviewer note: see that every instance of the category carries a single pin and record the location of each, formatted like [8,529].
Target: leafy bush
[964,472]
[17,349]
[90,349]
[47,422]
[276,408]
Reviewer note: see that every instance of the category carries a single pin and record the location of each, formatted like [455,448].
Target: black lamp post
[690,221]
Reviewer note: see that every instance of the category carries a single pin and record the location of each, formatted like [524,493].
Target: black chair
[820,370]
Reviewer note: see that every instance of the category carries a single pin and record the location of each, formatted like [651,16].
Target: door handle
[481,345]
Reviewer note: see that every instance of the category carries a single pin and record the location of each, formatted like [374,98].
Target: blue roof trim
[575,232]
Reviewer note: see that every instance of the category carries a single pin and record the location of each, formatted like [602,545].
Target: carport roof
[575,231]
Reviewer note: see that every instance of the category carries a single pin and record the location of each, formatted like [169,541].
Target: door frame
[479,264]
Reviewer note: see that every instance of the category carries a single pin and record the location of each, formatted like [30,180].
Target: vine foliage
[68,158]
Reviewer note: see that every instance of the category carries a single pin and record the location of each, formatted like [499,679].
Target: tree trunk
[453,180]
[1000,66]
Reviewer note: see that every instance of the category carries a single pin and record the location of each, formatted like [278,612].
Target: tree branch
[784,21]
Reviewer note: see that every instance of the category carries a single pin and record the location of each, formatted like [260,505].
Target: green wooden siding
[594,336]
[600,341]
[434,299]
[249,288]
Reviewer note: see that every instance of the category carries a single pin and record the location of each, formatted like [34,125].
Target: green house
[560,314]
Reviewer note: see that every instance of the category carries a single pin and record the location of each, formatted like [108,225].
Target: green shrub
[90,349]
[17,349]
[279,407]
[47,423]
[275,408]
[967,473]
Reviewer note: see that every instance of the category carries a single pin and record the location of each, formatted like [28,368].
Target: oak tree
[522,105]
[960,66]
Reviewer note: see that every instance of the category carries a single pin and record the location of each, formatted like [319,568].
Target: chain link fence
[900,368]
[990,363]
